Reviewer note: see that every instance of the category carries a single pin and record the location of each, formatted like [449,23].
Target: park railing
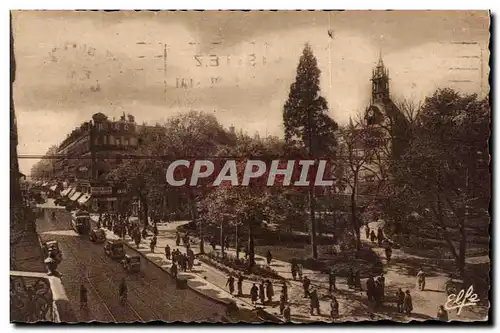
[37,297]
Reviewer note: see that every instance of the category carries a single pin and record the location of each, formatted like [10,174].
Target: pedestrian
[350,278]
[381,281]
[315,303]
[380,236]
[388,253]
[357,281]
[254,293]
[407,303]
[284,291]
[167,252]
[230,283]
[155,229]
[421,279]
[174,256]
[334,308]
[287,313]
[367,231]
[373,238]
[173,270]
[262,293]
[400,297]
[377,293]
[246,252]
[269,291]
[177,239]
[144,233]
[293,268]
[370,288]
[152,245]
[184,262]
[137,239]
[269,257]
[190,259]
[83,296]
[442,314]
[299,271]
[282,303]
[305,284]
[213,244]
[331,281]
[240,285]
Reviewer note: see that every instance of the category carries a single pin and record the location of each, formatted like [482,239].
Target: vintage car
[52,247]
[114,248]
[97,236]
[132,263]
[80,221]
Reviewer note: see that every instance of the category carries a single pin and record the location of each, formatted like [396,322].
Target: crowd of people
[263,292]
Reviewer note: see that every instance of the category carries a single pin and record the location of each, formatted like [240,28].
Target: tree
[361,160]
[444,175]
[44,169]
[144,177]
[309,131]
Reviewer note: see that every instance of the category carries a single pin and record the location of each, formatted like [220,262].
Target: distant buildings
[89,153]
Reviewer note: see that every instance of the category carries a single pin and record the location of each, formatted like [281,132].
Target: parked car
[132,263]
[97,236]
[114,248]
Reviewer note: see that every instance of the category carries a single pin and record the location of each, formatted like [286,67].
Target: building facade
[381,135]
[88,154]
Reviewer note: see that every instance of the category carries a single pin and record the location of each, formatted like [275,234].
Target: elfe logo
[249,173]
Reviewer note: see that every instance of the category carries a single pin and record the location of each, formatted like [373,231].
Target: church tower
[380,83]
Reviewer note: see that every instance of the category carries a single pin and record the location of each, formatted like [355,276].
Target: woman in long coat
[262,293]
[407,303]
[269,291]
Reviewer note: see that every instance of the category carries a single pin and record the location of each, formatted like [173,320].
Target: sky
[236,65]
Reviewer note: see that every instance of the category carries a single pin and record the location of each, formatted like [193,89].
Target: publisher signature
[461,300]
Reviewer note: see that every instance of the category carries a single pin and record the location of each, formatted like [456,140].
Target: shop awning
[70,194]
[66,191]
[53,188]
[75,196]
[84,198]
[45,184]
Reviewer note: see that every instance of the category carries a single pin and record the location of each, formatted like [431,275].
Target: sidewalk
[401,273]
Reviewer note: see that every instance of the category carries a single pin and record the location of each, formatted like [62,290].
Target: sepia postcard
[250,166]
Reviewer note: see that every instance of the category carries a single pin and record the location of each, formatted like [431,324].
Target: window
[133,141]
[105,138]
[125,127]
[100,126]
[96,141]
[111,140]
[125,142]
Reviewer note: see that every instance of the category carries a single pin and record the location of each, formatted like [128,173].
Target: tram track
[153,294]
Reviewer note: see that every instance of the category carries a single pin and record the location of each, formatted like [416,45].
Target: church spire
[380,61]
[380,81]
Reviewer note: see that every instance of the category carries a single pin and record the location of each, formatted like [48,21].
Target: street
[152,293]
